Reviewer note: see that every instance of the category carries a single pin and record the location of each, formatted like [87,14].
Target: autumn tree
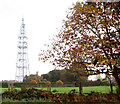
[35,77]
[59,82]
[90,35]
[48,83]
[33,82]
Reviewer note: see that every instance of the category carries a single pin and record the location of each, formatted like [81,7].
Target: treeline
[63,75]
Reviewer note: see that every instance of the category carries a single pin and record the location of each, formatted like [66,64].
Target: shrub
[48,83]
[61,98]
[4,85]
[33,82]
[59,82]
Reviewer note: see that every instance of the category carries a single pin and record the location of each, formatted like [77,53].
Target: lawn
[102,89]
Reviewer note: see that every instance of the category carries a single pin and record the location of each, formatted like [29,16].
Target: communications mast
[22,64]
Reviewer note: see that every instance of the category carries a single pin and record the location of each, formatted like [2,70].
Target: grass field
[102,89]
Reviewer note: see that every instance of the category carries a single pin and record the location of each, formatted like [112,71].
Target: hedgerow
[60,98]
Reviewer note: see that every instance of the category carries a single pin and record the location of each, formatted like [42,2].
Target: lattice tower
[22,64]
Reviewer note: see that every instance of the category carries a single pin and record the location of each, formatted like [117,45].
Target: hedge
[53,84]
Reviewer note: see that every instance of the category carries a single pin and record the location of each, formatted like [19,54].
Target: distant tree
[48,83]
[52,76]
[69,76]
[63,75]
[45,76]
[31,77]
[59,82]
[44,80]
[33,82]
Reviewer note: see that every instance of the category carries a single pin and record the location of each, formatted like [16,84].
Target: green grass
[6,89]
[102,89]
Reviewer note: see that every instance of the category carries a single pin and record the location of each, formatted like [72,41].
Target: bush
[48,83]
[61,98]
[33,82]
[4,85]
[59,82]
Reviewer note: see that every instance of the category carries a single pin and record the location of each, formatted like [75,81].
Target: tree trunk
[117,78]
[9,86]
[111,87]
[80,88]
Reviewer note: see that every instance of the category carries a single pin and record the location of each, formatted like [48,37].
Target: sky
[42,18]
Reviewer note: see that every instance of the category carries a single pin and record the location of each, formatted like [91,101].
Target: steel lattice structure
[22,65]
